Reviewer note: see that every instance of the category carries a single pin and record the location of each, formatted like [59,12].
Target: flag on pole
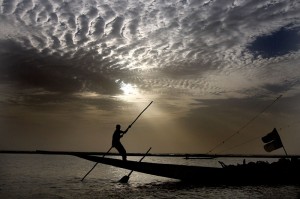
[273,141]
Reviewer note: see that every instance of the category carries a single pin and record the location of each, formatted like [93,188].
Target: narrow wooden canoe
[284,172]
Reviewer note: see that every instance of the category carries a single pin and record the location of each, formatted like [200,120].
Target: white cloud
[194,47]
[93,62]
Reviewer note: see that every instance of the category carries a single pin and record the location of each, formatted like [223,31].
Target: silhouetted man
[116,141]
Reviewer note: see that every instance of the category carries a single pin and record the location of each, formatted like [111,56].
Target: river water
[59,176]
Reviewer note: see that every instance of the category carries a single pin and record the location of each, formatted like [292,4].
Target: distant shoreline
[187,156]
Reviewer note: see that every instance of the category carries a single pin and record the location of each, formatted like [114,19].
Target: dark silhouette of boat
[284,171]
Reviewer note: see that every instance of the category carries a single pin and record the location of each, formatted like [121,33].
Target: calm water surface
[58,176]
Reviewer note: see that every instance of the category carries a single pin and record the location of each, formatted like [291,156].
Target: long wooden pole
[112,146]
[126,178]
[140,114]
[95,165]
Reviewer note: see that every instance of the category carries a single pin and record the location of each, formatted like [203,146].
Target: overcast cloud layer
[178,52]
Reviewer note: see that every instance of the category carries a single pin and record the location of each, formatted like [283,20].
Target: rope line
[245,125]
[246,142]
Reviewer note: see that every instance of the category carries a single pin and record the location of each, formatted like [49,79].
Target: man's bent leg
[122,151]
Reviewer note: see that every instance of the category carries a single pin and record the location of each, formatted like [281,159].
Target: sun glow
[130,91]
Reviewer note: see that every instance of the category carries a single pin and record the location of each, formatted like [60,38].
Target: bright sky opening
[70,70]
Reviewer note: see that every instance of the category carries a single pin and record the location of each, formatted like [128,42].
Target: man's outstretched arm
[127,129]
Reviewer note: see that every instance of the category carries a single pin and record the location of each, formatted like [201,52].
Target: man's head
[118,126]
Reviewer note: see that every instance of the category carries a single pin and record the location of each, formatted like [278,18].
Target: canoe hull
[238,175]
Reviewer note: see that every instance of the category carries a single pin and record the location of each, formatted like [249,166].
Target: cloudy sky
[70,70]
